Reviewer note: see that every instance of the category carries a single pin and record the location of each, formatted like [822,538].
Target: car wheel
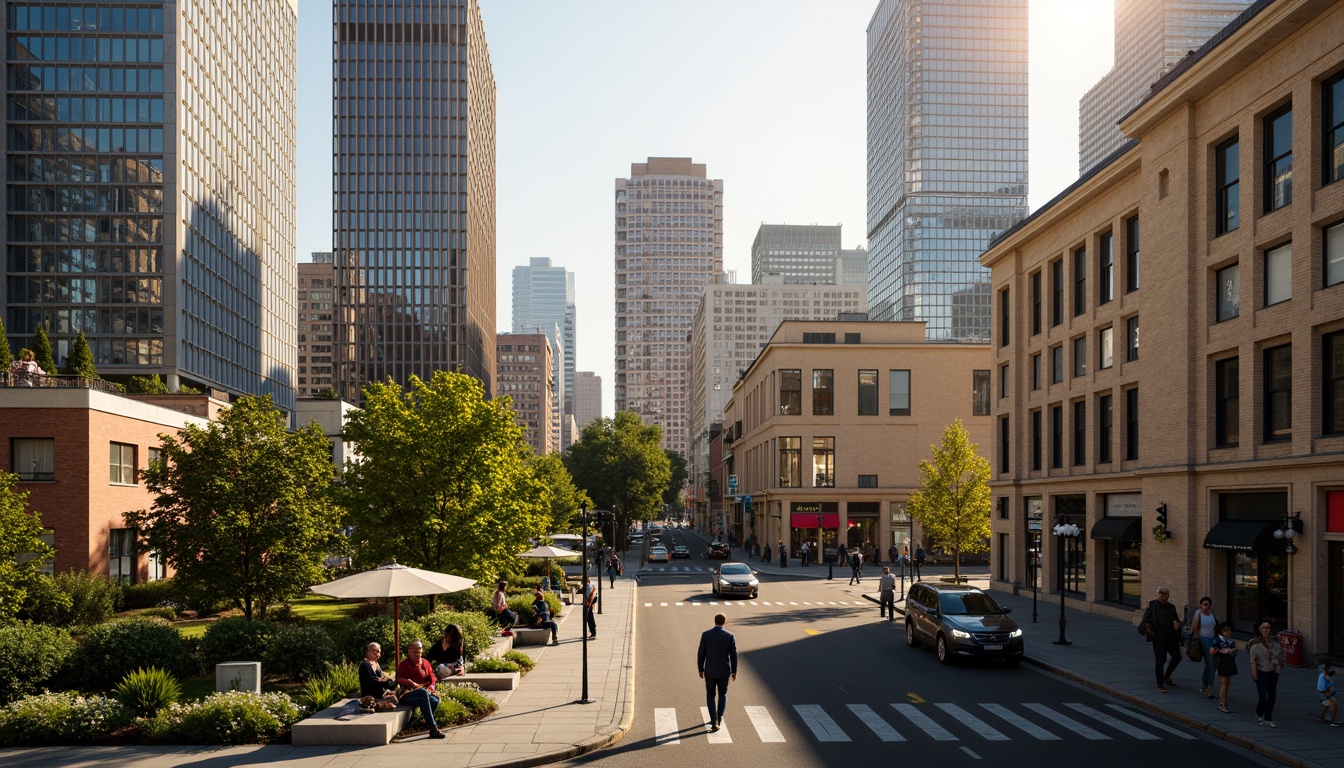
[944,654]
[910,638]
[753,595]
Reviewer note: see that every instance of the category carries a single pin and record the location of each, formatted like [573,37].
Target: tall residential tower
[543,301]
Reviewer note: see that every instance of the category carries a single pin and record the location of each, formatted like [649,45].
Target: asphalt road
[823,681]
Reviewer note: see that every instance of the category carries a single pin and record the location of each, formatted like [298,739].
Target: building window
[1279,159]
[823,462]
[121,555]
[1079,281]
[1004,317]
[1079,433]
[1333,250]
[1036,371]
[1132,255]
[1035,303]
[823,392]
[1003,381]
[1279,393]
[1279,274]
[1124,560]
[867,393]
[1056,436]
[818,338]
[1132,338]
[1057,364]
[790,462]
[1332,421]
[1106,348]
[121,464]
[158,567]
[1332,103]
[1227,403]
[1228,284]
[1080,356]
[1228,192]
[1132,424]
[1005,438]
[867,481]
[33,459]
[790,392]
[1104,416]
[1056,292]
[1036,438]
[898,402]
[980,393]
[1105,269]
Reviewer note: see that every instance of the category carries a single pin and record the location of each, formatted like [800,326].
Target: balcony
[9,379]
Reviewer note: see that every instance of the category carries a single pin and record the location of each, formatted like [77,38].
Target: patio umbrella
[395,581]
[547,551]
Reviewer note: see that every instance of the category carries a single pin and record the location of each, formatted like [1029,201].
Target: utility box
[238,676]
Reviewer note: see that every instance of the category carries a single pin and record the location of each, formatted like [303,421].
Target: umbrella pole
[396,633]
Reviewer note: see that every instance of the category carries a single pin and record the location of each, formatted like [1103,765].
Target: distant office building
[315,324]
[414,192]
[525,374]
[669,246]
[587,398]
[151,202]
[543,298]
[1151,36]
[947,156]
[797,253]
[851,268]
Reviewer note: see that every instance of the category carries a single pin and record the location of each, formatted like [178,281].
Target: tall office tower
[852,267]
[587,398]
[947,156]
[151,172]
[669,246]
[798,253]
[526,374]
[1150,37]
[414,192]
[543,298]
[315,297]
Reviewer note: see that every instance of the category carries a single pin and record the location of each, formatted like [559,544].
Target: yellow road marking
[812,631]
[914,698]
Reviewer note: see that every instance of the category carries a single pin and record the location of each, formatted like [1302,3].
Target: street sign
[732,485]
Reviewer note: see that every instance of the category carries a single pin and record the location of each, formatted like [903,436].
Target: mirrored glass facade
[414,189]
[150,175]
[947,156]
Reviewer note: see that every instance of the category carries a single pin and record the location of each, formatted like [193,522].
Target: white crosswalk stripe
[766,730]
[1152,723]
[973,722]
[1068,722]
[1020,722]
[665,726]
[875,723]
[1113,722]
[820,723]
[924,722]
[716,737]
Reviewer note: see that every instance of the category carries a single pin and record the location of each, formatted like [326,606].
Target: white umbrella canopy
[395,581]
[547,551]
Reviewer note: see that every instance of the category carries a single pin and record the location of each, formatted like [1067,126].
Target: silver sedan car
[736,579]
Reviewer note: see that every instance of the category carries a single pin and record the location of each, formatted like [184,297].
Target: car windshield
[736,569]
[969,604]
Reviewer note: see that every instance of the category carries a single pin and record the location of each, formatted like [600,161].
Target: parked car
[718,551]
[681,551]
[659,555]
[959,620]
[736,579]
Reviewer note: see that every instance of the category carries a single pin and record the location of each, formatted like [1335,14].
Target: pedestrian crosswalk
[901,721]
[704,600]
[676,569]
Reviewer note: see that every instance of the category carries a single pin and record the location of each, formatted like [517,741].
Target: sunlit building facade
[315,370]
[526,375]
[543,300]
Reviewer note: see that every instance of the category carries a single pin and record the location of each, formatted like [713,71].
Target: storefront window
[1073,570]
[1032,514]
[1123,572]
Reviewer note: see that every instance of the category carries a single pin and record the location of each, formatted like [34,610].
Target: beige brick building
[1229,416]
[833,418]
[525,373]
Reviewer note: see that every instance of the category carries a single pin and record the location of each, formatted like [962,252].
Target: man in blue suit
[717,661]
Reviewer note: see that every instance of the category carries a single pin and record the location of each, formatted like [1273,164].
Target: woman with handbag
[1225,648]
[1204,629]
[1266,664]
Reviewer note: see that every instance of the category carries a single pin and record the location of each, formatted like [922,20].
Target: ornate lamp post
[1063,532]
[584,699]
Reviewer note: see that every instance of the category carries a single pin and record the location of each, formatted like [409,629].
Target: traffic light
[1162,515]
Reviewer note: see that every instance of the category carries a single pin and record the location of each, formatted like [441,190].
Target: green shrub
[151,594]
[449,712]
[379,629]
[478,630]
[160,612]
[318,694]
[231,717]
[472,600]
[74,599]
[112,650]
[61,718]
[236,639]
[344,678]
[525,663]
[148,690]
[30,655]
[469,696]
[523,607]
[299,653]
[491,664]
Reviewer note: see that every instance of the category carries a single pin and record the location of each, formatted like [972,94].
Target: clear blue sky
[770,94]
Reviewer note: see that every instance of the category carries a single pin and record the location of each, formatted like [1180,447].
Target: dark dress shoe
[437,735]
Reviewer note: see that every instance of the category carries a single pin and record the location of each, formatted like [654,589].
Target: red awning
[807,520]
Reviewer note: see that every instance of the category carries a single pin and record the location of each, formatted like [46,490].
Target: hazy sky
[770,94]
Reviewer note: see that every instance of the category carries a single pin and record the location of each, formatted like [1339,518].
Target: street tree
[621,465]
[42,354]
[442,482]
[953,501]
[243,508]
[80,360]
[562,497]
[147,385]
[677,482]
[22,550]
[6,357]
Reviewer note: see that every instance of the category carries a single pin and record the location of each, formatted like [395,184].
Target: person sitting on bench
[541,617]
[449,655]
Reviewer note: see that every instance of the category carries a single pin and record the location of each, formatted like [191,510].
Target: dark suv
[960,621]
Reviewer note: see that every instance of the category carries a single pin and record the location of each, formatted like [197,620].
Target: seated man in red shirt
[416,678]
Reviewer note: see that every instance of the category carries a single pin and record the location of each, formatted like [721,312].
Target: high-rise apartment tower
[669,246]
[587,398]
[798,253]
[526,375]
[543,300]
[414,192]
[947,156]
[315,295]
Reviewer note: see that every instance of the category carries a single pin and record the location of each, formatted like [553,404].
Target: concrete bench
[360,729]
[531,636]
[489,681]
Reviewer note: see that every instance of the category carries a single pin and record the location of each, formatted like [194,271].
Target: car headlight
[959,633]
[725,583]
[1015,633]
[754,583]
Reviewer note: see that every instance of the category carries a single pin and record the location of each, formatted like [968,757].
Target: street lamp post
[1035,581]
[1063,532]
[583,698]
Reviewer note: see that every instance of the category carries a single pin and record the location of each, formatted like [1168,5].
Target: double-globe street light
[1063,532]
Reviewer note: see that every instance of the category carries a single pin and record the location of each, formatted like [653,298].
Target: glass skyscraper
[414,189]
[150,169]
[947,156]
[543,302]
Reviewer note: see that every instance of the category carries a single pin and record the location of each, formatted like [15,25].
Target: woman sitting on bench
[376,690]
[541,617]
[449,655]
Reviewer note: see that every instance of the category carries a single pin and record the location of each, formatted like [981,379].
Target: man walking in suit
[717,662]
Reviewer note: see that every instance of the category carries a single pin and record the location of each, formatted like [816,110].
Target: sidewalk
[537,723]
[1109,655]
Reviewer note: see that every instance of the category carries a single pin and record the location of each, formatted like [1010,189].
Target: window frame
[1131,339]
[25,449]
[1106,348]
[1332,384]
[1057,436]
[825,404]
[116,452]
[1231,302]
[1005,443]
[790,394]
[1056,292]
[1132,424]
[823,458]
[1079,433]
[790,462]
[1227,402]
[1132,254]
[1079,280]
[1332,133]
[1277,263]
[1036,372]
[1105,427]
[1278,393]
[1005,317]
[1079,356]
[1332,254]
[1057,364]
[1273,163]
[868,393]
[1036,299]
[980,400]
[1037,438]
[1105,268]
[894,393]
[1227,192]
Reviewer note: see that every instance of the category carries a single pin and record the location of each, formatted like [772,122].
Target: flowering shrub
[231,717]
[30,654]
[61,718]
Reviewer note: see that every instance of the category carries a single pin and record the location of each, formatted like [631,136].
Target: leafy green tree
[621,465]
[6,357]
[677,483]
[42,353]
[147,385]
[243,507]
[953,500]
[326,394]
[22,551]
[442,481]
[562,497]
[80,360]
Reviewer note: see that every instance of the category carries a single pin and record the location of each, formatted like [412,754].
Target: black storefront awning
[1116,529]
[1241,535]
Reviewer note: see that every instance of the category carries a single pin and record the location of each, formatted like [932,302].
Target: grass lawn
[316,609]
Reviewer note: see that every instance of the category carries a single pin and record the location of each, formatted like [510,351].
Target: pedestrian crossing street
[777,605]
[939,722]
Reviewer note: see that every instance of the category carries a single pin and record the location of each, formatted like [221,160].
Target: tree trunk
[956,564]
